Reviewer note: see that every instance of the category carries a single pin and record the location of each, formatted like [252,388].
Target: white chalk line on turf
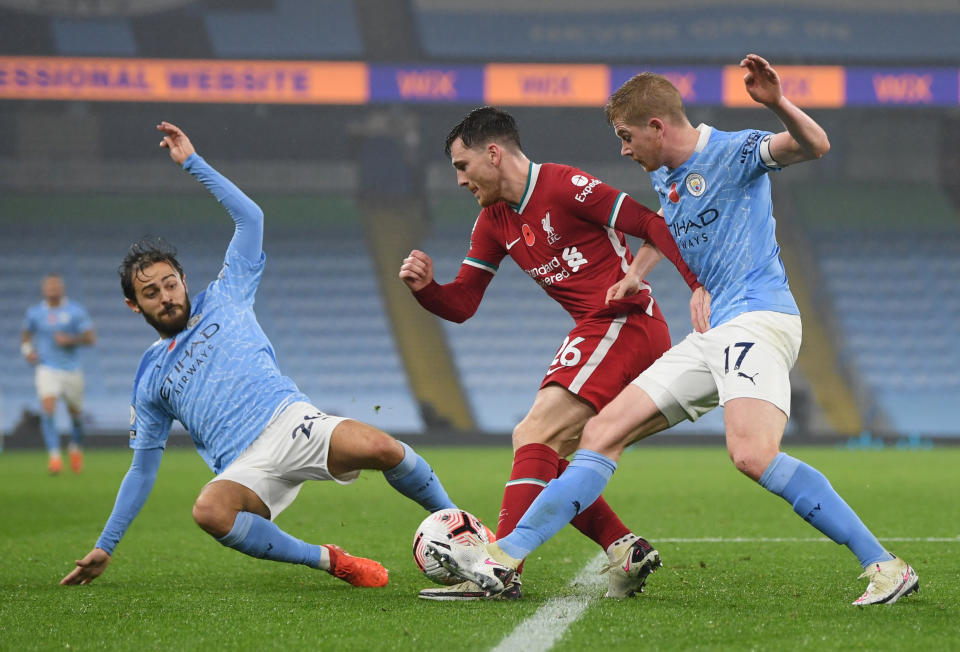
[539,632]
[797,539]
[550,622]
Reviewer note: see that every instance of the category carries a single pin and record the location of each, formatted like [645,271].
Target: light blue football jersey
[43,321]
[219,377]
[720,212]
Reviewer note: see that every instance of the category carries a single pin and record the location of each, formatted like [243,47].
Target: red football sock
[534,465]
[598,522]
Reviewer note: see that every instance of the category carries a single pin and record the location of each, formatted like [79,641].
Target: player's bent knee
[355,445]
[529,432]
[602,435]
[592,430]
[386,451]
[212,518]
[522,435]
[751,463]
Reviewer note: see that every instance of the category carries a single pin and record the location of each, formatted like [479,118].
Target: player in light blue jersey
[715,196]
[53,331]
[214,370]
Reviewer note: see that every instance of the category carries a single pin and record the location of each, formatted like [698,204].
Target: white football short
[60,384]
[292,448]
[749,356]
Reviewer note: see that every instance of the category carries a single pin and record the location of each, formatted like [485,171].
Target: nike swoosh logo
[550,371]
[510,244]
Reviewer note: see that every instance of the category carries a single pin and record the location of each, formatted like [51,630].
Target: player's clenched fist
[417,270]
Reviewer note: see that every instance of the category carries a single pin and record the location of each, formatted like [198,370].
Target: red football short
[602,355]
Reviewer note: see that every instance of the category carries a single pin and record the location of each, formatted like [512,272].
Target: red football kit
[567,234]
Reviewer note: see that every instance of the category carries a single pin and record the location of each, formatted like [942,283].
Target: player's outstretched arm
[89,568]
[176,142]
[248,217]
[804,139]
[417,270]
[133,493]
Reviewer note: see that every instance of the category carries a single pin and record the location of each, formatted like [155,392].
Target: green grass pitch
[172,587]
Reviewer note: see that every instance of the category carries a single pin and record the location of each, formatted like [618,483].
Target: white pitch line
[545,627]
[550,622]
[799,540]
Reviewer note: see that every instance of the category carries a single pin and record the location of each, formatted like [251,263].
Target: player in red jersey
[565,229]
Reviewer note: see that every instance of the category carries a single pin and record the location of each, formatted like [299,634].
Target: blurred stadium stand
[875,223]
[690,30]
[890,255]
[699,31]
[318,301]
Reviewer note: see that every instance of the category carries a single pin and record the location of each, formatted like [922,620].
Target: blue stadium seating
[893,294]
[113,37]
[318,301]
[291,29]
[632,32]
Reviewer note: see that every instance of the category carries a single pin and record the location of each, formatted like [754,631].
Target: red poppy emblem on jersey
[674,195]
[528,235]
[173,343]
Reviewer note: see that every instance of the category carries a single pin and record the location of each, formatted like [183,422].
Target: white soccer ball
[440,528]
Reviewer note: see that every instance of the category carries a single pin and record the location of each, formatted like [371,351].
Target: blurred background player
[717,182]
[215,371]
[565,229]
[53,331]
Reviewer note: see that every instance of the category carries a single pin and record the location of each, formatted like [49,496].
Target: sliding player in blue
[715,196]
[215,371]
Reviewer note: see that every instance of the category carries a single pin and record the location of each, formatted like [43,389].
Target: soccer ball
[440,528]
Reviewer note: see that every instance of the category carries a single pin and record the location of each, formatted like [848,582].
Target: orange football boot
[76,461]
[55,465]
[357,571]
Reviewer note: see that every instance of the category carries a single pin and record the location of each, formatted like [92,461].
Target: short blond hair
[644,96]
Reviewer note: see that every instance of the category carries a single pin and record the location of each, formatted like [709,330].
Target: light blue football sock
[256,536]
[414,478]
[76,432]
[51,438]
[818,503]
[575,490]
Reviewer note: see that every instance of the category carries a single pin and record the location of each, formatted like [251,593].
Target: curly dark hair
[483,125]
[145,252]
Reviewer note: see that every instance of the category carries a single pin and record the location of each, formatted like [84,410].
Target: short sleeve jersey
[219,377]
[44,321]
[719,210]
[562,234]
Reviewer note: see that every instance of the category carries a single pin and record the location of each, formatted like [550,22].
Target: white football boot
[486,566]
[889,581]
[470,591]
[632,559]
